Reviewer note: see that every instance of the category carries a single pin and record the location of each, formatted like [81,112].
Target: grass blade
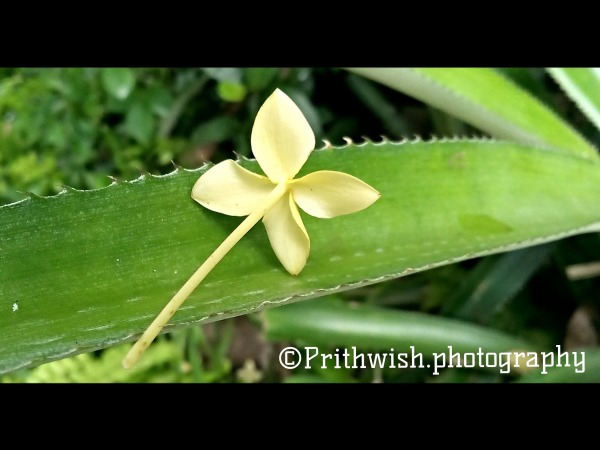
[495,281]
[488,100]
[582,84]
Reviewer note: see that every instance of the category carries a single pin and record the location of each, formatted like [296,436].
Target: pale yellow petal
[281,137]
[230,189]
[327,194]
[287,234]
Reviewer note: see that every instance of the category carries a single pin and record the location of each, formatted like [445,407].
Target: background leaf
[118,81]
[486,99]
[582,85]
[332,322]
[139,122]
[231,92]
[494,282]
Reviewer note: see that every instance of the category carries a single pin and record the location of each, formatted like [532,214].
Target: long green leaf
[486,99]
[495,281]
[367,92]
[85,270]
[330,322]
[582,84]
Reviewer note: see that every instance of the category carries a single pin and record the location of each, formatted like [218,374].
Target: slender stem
[165,315]
[169,122]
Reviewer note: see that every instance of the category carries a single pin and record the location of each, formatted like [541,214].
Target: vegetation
[485,237]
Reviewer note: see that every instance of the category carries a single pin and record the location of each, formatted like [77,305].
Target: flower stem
[165,315]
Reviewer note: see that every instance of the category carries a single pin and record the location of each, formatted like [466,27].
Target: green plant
[89,269]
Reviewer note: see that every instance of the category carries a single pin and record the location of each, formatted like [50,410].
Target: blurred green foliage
[78,126]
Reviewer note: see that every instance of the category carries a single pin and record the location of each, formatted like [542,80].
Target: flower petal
[230,189]
[287,234]
[327,194]
[281,137]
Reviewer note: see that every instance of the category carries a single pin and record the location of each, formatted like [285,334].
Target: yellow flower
[282,141]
